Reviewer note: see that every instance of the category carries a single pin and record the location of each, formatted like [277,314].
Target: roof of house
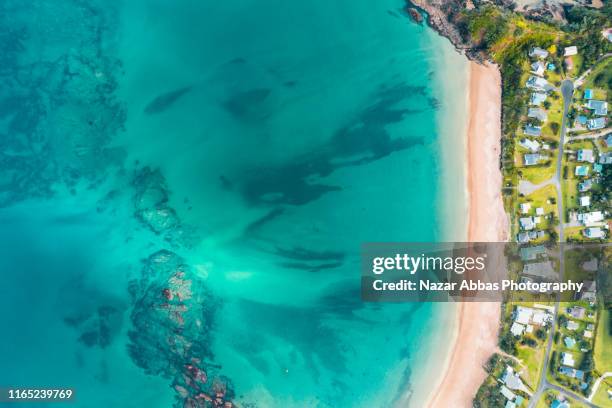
[588,94]
[531,159]
[537,113]
[533,130]
[590,218]
[582,170]
[507,393]
[559,404]
[585,185]
[517,329]
[527,223]
[596,123]
[529,144]
[540,269]
[538,52]
[531,253]
[599,107]
[594,232]
[567,359]
[585,155]
[537,98]
[605,158]
[569,51]
[585,201]
[536,82]
[572,325]
[569,342]
[609,140]
[538,68]
[522,237]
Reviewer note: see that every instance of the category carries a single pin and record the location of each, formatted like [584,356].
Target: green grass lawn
[538,174]
[575,233]
[555,115]
[598,71]
[533,358]
[603,343]
[601,398]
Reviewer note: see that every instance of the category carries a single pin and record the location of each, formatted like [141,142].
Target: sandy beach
[478,323]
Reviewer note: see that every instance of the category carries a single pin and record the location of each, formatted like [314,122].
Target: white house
[572,325]
[536,82]
[537,113]
[594,233]
[537,52]
[585,155]
[585,201]
[569,51]
[591,219]
[517,329]
[537,98]
[538,68]
[530,145]
[567,359]
[527,223]
[525,207]
[523,315]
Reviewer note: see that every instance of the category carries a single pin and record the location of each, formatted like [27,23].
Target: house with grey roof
[599,108]
[527,223]
[594,233]
[537,52]
[588,292]
[538,68]
[605,158]
[585,155]
[522,238]
[537,98]
[531,159]
[542,270]
[596,123]
[532,130]
[609,140]
[537,113]
[535,82]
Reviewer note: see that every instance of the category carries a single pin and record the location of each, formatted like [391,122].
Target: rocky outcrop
[172,318]
[443,16]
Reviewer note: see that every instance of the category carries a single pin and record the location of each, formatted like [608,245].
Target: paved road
[526,187]
[567,90]
[592,135]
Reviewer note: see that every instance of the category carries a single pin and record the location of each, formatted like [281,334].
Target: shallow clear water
[261,143]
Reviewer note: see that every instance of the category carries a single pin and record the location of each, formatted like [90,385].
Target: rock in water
[171,318]
[414,15]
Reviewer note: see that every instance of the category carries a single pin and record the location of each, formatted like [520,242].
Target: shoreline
[475,334]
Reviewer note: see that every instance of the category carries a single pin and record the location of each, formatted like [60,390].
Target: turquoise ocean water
[187,183]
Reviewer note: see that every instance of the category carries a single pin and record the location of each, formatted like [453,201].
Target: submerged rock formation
[172,318]
[153,210]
